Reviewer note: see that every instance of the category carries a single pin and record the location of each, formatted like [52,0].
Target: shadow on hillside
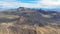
[3,20]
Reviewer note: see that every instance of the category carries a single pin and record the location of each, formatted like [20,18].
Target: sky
[47,4]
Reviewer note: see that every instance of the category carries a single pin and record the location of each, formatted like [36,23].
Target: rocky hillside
[29,21]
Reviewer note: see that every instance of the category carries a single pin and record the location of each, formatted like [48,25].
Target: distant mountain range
[47,9]
[36,14]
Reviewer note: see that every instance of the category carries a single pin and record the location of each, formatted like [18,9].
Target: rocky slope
[29,21]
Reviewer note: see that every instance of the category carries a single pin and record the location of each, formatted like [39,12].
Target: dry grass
[12,28]
[39,30]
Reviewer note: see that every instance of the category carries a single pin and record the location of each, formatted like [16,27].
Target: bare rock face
[20,20]
[23,9]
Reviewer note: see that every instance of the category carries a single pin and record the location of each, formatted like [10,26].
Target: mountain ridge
[46,9]
[29,21]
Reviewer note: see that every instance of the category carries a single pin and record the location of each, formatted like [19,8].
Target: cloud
[43,4]
[9,0]
[9,5]
[51,2]
[30,4]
